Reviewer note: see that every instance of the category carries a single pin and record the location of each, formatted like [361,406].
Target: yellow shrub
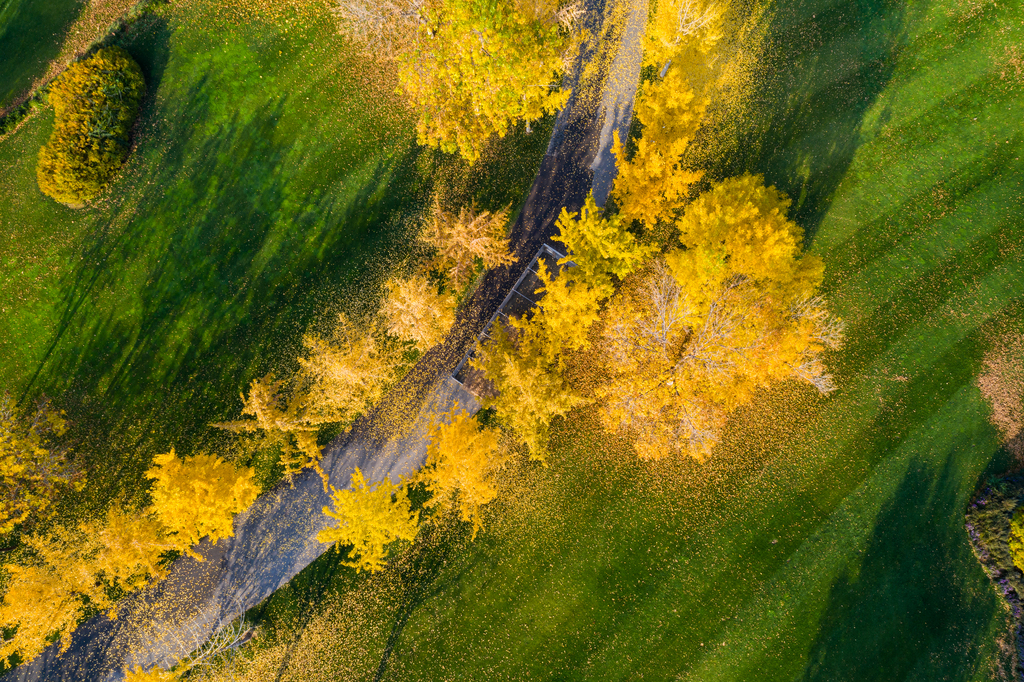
[96,102]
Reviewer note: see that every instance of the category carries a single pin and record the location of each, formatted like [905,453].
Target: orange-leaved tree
[463,460]
[369,518]
[691,338]
[198,497]
[465,240]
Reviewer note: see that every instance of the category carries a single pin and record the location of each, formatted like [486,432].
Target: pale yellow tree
[462,464]
[695,335]
[34,464]
[369,518]
[463,239]
[415,311]
[199,497]
[340,377]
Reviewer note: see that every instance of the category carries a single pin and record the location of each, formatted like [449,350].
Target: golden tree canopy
[462,462]
[71,569]
[464,238]
[691,338]
[199,497]
[369,518]
[415,311]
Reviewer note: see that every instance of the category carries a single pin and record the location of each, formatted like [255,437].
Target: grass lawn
[274,177]
[826,540]
[31,33]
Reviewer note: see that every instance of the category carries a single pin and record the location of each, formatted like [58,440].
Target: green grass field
[826,540]
[274,176]
[31,33]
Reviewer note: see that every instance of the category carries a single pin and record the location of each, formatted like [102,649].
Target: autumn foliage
[470,68]
[369,518]
[96,102]
[34,465]
[198,497]
[465,240]
[462,464]
[693,336]
[72,569]
[416,311]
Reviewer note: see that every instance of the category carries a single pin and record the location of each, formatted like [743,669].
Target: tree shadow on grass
[221,265]
[824,65]
[907,612]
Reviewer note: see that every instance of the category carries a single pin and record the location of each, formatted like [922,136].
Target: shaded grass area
[31,33]
[825,541]
[274,182]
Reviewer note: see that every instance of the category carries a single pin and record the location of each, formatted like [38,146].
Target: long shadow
[825,63]
[906,613]
[227,291]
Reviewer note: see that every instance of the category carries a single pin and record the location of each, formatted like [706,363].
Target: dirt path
[276,537]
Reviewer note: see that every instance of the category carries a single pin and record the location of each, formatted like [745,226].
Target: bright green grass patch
[31,32]
[826,542]
[274,181]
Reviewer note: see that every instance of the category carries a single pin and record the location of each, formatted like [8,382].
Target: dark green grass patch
[31,33]
[826,540]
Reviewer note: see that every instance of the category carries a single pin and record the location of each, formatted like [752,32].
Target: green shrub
[96,102]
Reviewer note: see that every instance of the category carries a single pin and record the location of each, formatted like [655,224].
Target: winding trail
[276,537]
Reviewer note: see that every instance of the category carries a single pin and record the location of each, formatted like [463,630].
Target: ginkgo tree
[416,311]
[340,376]
[525,361]
[369,517]
[463,460]
[698,331]
[197,497]
[470,68]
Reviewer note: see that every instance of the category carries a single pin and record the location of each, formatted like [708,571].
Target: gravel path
[276,537]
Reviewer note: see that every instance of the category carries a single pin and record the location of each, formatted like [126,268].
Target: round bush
[96,102]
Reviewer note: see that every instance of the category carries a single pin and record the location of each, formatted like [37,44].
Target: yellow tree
[651,184]
[154,674]
[340,376]
[369,518]
[470,68]
[463,239]
[34,466]
[415,311]
[462,462]
[525,365]
[694,336]
[72,569]
[96,101]
[198,497]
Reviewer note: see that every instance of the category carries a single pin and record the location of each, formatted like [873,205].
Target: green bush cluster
[96,102]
